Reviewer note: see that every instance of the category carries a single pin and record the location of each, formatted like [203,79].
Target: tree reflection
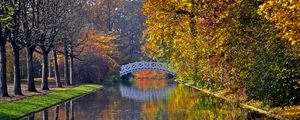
[30,117]
[45,115]
[150,74]
[67,110]
[175,102]
[149,110]
[72,109]
[188,104]
[151,83]
[150,79]
[56,115]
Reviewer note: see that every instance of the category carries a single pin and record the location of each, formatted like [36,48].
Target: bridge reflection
[145,94]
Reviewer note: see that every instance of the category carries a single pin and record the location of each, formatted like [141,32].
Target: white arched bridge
[132,67]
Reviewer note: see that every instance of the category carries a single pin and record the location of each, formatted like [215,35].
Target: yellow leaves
[169,34]
[285,14]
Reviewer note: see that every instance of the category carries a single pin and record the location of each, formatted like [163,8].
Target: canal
[145,99]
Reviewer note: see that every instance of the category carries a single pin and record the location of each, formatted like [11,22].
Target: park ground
[18,106]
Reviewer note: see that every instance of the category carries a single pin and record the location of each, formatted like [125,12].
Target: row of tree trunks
[30,70]
[68,69]
[68,107]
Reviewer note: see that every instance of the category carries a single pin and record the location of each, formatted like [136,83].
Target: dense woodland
[248,46]
[73,41]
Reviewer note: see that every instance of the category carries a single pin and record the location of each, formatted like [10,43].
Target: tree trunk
[56,116]
[17,78]
[71,66]
[30,70]
[50,68]
[56,72]
[66,67]
[45,114]
[72,110]
[45,69]
[109,16]
[195,72]
[194,35]
[3,77]
[67,108]
[31,117]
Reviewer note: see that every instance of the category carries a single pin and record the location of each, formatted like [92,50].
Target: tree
[30,23]
[51,26]
[15,38]
[172,32]
[129,22]
[6,12]
[73,24]
[95,62]
[226,44]
[101,14]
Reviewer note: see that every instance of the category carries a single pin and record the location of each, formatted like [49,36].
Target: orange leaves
[150,74]
[150,79]
[99,43]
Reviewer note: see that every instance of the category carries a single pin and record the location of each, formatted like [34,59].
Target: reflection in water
[67,110]
[140,94]
[198,106]
[72,110]
[172,102]
[56,113]
[30,117]
[45,114]
[150,83]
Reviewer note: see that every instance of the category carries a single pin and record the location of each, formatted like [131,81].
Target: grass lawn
[16,109]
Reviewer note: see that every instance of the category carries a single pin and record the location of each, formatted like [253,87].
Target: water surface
[146,99]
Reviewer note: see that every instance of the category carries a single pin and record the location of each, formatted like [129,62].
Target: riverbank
[289,112]
[13,109]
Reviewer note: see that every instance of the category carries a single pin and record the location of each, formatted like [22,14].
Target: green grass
[19,108]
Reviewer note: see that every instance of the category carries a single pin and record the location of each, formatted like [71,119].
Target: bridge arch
[132,67]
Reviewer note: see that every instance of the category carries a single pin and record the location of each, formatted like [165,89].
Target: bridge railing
[131,67]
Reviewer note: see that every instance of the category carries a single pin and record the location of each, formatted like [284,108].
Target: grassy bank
[288,112]
[19,108]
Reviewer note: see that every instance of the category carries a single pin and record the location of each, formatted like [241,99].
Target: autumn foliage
[285,14]
[96,58]
[235,44]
